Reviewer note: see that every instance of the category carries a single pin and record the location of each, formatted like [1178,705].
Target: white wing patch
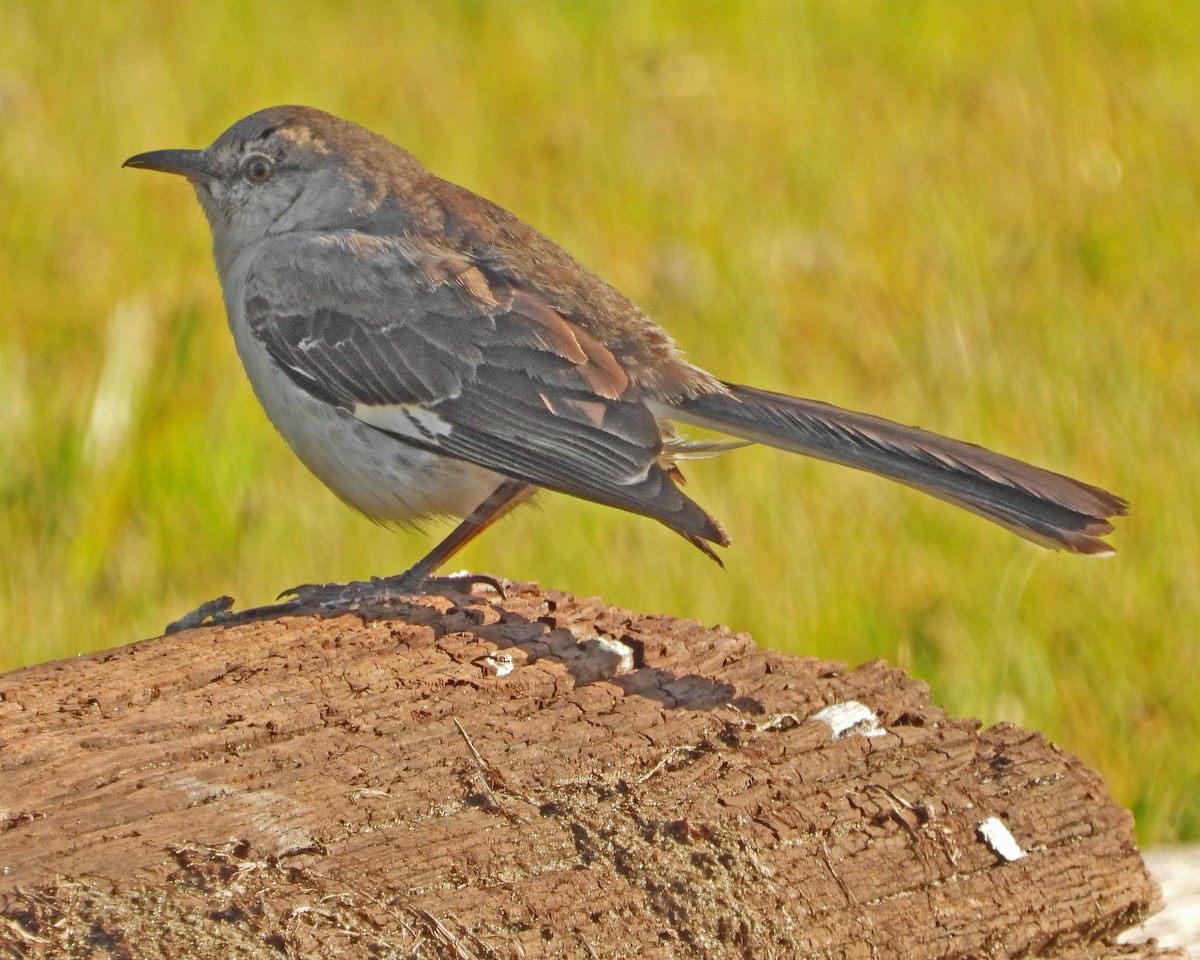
[404,419]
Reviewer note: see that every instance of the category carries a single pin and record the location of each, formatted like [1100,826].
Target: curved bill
[193,164]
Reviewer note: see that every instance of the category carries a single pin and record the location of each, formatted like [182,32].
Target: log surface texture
[541,777]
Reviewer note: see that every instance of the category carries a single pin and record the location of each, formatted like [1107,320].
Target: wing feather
[440,353]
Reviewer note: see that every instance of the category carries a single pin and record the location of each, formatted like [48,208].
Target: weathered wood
[635,786]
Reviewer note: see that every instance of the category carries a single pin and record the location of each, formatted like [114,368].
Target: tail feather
[1047,508]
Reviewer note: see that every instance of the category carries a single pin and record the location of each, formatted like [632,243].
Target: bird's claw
[377,590]
[385,589]
[214,610]
[305,590]
[468,580]
[326,594]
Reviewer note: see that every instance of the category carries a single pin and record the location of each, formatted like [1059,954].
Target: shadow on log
[543,777]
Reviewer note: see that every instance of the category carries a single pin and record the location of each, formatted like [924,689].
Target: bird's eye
[257,168]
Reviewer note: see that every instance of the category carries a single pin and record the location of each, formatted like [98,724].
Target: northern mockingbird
[426,353]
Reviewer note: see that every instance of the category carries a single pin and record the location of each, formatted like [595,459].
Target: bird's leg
[420,576]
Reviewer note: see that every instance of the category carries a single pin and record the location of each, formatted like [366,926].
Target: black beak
[193,164]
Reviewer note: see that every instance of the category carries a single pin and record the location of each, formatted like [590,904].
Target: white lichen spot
[850,718]
[497,663]
[999,838]
[617,658]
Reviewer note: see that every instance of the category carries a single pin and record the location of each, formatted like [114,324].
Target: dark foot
[462,583]
[384,590]
[211,610]
[332,596]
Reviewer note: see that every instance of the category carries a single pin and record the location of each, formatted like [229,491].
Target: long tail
[1047,508]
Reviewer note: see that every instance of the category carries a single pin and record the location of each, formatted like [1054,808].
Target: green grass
[977,217]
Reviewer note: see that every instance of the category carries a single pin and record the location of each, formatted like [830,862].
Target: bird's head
[281,169]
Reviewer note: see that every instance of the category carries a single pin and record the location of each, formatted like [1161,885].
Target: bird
[426,353]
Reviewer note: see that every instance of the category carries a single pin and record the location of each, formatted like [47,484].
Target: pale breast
[382,477]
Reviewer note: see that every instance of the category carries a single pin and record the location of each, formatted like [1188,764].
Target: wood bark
[460,777]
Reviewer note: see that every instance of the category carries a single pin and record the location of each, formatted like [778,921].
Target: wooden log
[545,776]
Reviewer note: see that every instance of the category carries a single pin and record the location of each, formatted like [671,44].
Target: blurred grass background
[977,217]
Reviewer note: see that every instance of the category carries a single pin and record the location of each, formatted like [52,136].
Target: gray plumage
[425,352]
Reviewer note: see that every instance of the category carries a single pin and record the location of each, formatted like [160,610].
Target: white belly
[383,478]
